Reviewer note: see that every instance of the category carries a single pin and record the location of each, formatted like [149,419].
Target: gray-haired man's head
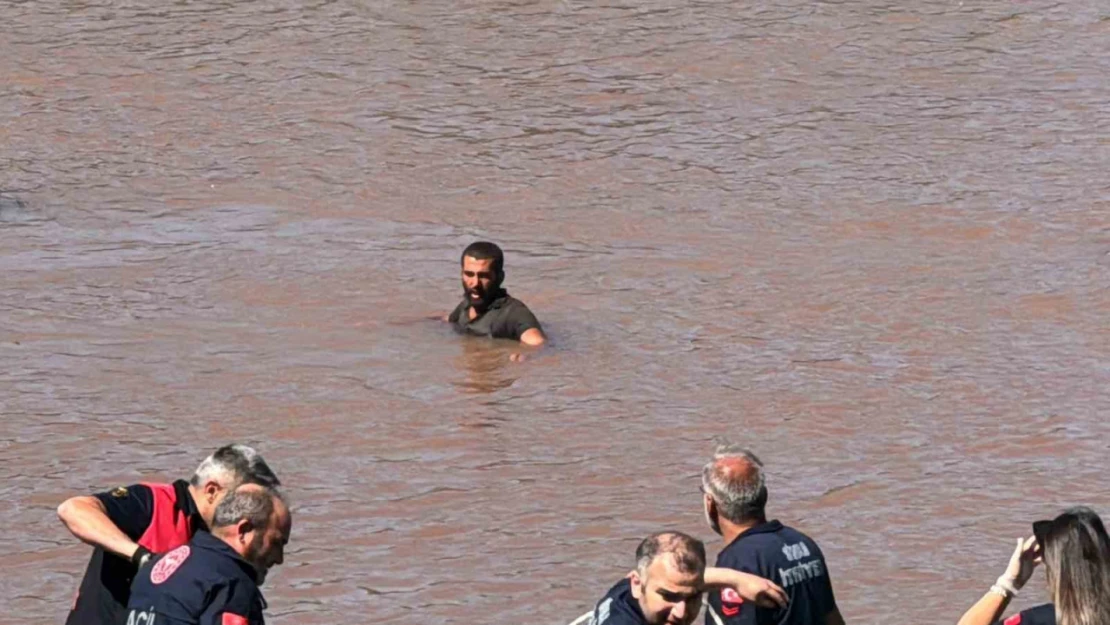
[223,471]
[256,522]
[734,486]
[235,464]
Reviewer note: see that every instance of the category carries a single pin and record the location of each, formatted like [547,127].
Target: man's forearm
[86,518]
[716,577]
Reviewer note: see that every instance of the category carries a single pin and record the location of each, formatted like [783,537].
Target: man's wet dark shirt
[505,318]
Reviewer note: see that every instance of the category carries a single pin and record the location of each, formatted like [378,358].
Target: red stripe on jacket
[169,527]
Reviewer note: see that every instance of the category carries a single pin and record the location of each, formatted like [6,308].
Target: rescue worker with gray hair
[129,524]
[214,579]
[734,502]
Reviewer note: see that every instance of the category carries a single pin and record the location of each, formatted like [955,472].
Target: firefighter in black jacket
[214,579]
[129,524]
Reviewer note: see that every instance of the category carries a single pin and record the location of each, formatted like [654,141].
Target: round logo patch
[168,564]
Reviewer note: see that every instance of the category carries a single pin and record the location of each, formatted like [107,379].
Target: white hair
[232,465]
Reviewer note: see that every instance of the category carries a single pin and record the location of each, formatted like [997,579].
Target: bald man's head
[734,480]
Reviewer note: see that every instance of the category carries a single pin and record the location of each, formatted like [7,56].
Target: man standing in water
[487,309]
[128,525]
[734,504]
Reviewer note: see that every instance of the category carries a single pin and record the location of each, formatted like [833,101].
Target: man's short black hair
[484,250]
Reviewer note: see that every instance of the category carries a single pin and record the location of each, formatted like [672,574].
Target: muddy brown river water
[870,239]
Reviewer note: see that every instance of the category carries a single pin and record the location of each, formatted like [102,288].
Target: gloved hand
[141,556]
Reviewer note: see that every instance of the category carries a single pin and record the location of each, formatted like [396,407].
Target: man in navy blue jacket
[664,589]
[735,502]
[214,579]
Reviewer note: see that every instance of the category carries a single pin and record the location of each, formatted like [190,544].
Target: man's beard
[254,557]
[713,522]
[484,297]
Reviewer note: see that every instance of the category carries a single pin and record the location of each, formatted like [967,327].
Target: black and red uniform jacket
[160,517]
[1039,615]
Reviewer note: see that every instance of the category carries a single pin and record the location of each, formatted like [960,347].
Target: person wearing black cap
[487,309]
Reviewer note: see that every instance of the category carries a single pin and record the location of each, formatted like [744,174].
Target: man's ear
[212,490]
[244,528]
[637,589]
[711,507]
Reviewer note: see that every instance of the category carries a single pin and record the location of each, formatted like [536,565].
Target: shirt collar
[498,302]
[630,601]
[204,540]
[188,506]
[770,527]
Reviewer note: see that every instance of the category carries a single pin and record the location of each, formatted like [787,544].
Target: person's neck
[201,503]
[730,530]
[482,306]
[227,535]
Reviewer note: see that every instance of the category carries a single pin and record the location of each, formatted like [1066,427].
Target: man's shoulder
[622,588]
[772,533]
[618,607]
[743,555]
[793,535]
[189,580]
[140,491]
[455,313]
[761,547]
[516,311]
[130,508]
[198,566]
[214,555]
[512,304]
[174,573]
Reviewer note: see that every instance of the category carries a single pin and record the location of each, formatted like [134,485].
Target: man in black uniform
[130,523]
[734,503]
[214,579]
[664,589]
[670,570]
[487,309]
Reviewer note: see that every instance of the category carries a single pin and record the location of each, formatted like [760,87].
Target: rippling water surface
[869,239]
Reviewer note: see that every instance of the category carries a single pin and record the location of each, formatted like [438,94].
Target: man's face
[267,547]
[667,595]
[479,281]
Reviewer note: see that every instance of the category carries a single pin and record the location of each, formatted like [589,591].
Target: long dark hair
[1077,562]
